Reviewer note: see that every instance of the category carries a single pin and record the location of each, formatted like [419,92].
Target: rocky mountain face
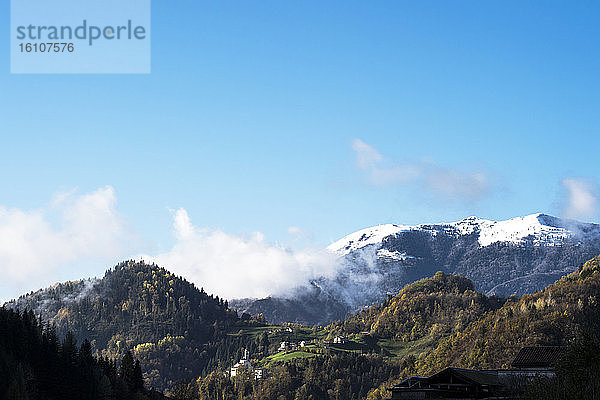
[516,256]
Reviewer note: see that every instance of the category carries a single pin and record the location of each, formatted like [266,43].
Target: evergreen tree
[138,379]
[17,390]
[68,350]
[127,371]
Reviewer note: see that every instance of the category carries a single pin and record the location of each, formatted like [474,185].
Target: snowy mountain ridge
[541,229]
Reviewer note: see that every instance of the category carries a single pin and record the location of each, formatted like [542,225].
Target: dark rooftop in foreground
[538,357]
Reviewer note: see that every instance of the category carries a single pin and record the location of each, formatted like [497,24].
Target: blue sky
[256,115]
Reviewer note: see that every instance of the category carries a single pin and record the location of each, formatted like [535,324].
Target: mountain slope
[175,329]
[517,256]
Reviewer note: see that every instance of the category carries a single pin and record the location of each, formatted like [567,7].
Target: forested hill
[177,330]
[431,307]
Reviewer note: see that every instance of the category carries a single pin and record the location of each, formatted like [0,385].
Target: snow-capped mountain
[538,229]
[516,256]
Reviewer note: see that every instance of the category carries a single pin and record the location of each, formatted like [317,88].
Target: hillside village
[289,342]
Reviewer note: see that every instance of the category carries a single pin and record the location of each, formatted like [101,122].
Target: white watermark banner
[80,36]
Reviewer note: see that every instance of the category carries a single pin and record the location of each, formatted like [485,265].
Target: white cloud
[36,244]
[235,266]
[456,184]
[294,230]
[434,178]
[366,155]
[581,198]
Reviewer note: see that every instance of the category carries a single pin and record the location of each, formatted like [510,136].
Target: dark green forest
[35,364]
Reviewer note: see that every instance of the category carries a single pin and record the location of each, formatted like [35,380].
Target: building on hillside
[339,340]
[469,384]
[243,365]
[287,346]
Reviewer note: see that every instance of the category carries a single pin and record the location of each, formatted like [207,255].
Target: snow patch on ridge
[366,237]
[392,255]
[516,230]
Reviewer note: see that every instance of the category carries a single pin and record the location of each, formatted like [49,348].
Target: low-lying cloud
[235,266]
[434,178]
